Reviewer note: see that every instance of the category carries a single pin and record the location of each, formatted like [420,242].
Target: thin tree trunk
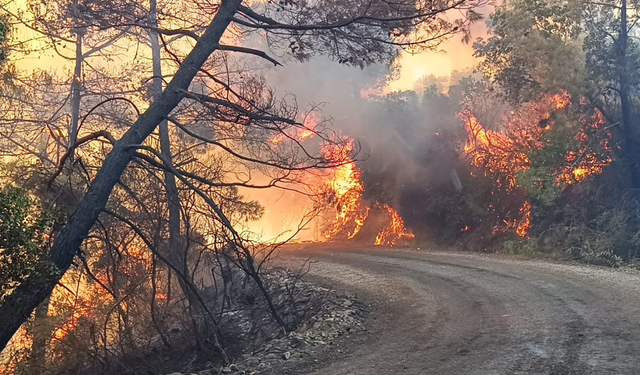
[41,337]
[630,127]
[76,91]
[176,251]
[18,306]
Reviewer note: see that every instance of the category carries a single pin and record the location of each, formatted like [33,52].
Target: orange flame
[359,221]
[299,133]
[494,151]
[525,223]
[396,231]
[503,153]
[585,163]
[346,187]
[341,186]
[521,225]
[344,181]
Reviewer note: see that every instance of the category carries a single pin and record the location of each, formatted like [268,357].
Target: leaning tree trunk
[18,306]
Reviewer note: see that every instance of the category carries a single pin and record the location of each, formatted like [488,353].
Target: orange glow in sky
[453,55]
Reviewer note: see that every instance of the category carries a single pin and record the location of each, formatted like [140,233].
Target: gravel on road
[444,313]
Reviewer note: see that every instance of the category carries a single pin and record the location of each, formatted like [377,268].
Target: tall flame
[344,182]
[343,189]
[352,211]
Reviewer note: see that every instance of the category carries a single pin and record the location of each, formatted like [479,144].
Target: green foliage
[534,48]
[597,233]
[560,141]
[522,247]
[25,230]
[601,44]
[589,222]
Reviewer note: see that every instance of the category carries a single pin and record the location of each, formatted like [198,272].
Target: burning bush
[355,218]
[550,153]
[520,173]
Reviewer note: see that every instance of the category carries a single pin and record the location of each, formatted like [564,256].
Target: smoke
[384,108]
[391,129]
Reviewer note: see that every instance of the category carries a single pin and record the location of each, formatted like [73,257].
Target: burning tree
[353,213]
[537,151]
[584,48]
[337,192]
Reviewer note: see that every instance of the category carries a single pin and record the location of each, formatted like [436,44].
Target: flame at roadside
[502,154]
[396,231]
[352,212]
[335,194]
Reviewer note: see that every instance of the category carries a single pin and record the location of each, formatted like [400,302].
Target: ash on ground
[320,315]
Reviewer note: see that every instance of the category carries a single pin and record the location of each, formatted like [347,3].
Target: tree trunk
[76,91]
[175,251]
[628,118]
[18,306]
[41,337]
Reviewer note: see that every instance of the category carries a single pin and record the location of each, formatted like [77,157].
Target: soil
[444,313]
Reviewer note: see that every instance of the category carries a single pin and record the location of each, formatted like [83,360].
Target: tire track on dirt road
[438,313]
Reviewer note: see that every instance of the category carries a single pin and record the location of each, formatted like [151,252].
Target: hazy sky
[453,55]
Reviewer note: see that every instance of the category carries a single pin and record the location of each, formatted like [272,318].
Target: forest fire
[78,312]
[352,212]
[584,163]
[504,154]
[345,186]
[299,134]
[341,189]
[395,231]
[520,225]
[172,186]
[494,151]
[505,151]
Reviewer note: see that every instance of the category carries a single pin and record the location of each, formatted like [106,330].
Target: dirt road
[436,313]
